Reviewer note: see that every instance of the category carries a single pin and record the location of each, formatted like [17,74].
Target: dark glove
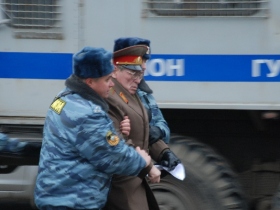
[169,159]
[154,134]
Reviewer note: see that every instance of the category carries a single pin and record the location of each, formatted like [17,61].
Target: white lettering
[170,67]
[161,67]
[152,67]
[273,67]
[256,72]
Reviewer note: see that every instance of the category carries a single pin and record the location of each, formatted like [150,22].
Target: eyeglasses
[135,74]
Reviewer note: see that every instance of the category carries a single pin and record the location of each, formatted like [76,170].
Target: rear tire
[276,200]
[209,184]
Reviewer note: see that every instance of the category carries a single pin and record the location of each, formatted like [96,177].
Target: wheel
[276,200]
[209,184]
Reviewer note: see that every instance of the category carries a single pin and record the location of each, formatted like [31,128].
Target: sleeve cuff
[143,173]
[156,150]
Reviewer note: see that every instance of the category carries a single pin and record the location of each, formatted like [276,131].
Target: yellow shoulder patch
[112,139]
[123,97]
[58,105]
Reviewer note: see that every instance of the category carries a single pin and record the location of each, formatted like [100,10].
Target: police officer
[158,127]
[81,149]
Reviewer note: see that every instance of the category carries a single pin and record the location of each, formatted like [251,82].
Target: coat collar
[132,101]
[75,84]
[145,87]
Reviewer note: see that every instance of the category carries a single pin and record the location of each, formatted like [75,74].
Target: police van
[214,71]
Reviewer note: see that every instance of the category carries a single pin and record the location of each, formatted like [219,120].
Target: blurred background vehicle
[214,71]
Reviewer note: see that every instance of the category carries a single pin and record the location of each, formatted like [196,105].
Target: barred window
[205,8]
[33,18]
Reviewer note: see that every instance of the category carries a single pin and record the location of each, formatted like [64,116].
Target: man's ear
[88,81]
[115,72]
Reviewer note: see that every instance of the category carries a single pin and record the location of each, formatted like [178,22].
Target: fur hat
[131,57]
[92,63]
[131,41]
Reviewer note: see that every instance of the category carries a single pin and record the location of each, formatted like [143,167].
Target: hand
[125,126]
[169,159]
[144,155]
[154,175]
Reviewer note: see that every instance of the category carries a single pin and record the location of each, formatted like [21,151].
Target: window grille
[34,18]
[205,8]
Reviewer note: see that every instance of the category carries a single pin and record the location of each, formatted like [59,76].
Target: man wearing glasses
[129,192]
[158,127]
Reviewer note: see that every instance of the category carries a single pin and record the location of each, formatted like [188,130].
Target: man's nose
[138,80]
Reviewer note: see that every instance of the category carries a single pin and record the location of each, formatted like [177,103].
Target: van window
[34,18]
[205,8]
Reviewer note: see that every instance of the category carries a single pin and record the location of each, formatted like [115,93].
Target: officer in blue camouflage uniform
[158,129]
[81,149]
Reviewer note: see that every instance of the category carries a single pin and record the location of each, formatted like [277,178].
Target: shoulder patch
[58,105]
[97,109]
[123,97]
[112,139]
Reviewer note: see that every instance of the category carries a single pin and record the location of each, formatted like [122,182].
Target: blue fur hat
[131,41]
[92,62]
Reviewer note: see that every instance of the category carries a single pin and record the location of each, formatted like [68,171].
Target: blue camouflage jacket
[80,153]
[157,119]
